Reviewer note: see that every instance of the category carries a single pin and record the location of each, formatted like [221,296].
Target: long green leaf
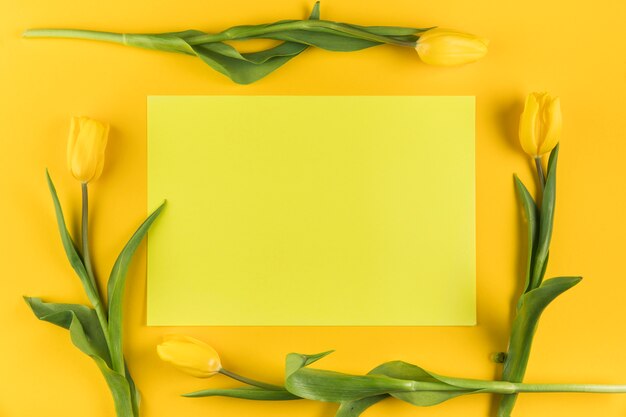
[394,378]
[397,32]
[531,306]
[530,216]
[245,393]
[425,398]
[250,67]
[329,386]
[246,71]
[324,40]
[85,337]
[70,248]
[135,395]
[357,407]
[59,314]
[546,221]
[116,286]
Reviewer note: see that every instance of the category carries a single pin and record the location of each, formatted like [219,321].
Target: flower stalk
[441,47]
[85,235]
[96,330]
[249,381]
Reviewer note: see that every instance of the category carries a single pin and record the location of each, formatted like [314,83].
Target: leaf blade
[530,215]
[116,286]
[546,221]
[357,407]
[531,306]
[68,318]
[74,258]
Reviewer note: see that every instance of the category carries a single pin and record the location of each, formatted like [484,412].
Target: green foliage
[546,221]
[537,294]
[70,248]
[531,215]
[329,386]
[246,68]
[116,286]
[245,393]
[88,327]
[87,335]
[531,305]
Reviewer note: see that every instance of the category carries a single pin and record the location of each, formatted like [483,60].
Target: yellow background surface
[573,50]
[338,223]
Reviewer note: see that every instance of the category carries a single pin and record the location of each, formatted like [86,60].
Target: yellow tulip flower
[190,355]
[540,124]
[85,148]
[444,47]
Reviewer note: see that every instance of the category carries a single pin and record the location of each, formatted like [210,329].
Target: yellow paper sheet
[311,210]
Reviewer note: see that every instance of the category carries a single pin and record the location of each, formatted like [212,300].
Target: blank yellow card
[311,211]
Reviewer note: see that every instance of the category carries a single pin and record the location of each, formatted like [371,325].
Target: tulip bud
[540,124]
[85,148]
[443,47]
[190,355]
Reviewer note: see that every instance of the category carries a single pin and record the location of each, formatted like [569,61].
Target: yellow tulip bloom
[85,148]
[190,355]
[444,47]
[540,124]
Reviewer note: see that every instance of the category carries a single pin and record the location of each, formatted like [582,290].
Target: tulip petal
[553,125]
[71,141]
[86,145]
[190,355]
[444,47]
[528,126]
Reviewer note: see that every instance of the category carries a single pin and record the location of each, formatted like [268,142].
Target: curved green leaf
[323,39]
[329,386]
[70,248]
[530,216]
[115,288]
[81,323]
[59,314]
[404,33]
[447,388]
[245,393]
[531,306]
[357,407]
[135,395]
[245,70]
[546,221]
[249,67]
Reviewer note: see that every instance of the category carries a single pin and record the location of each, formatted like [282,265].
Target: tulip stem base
[250,381]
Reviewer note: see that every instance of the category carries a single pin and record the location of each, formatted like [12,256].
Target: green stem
[590,388]
[76,34]
[85,238]
[505,387]
[250,381]
[540,174]
[238,32]
[96,299]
